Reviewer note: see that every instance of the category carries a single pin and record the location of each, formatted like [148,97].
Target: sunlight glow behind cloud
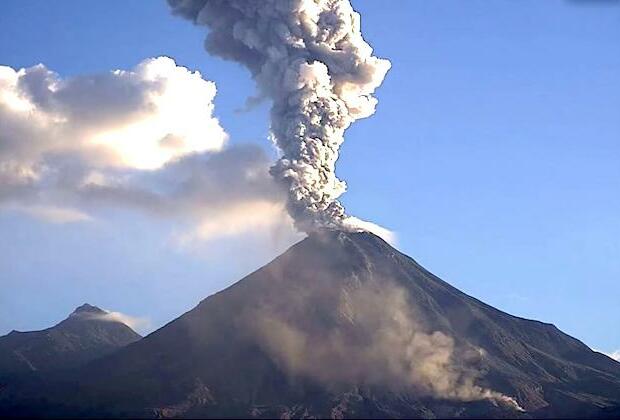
[140,118]
[143,139]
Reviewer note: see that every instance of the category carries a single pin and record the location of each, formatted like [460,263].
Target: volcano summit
[340,325]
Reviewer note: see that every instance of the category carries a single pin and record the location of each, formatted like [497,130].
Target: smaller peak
[88,309]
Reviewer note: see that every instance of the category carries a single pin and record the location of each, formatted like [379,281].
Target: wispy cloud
[614,355]
[355,223]
[140,324]
[53,214]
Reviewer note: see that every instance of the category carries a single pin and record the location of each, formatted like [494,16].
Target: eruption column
[309,58]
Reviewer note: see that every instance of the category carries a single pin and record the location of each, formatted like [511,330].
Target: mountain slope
[340,325]
[85,335]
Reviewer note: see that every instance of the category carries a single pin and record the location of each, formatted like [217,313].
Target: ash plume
[310,59]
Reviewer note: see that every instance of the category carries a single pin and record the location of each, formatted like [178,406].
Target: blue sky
[494,155]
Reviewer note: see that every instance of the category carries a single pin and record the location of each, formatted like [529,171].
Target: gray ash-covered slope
[340,325]
[85,335]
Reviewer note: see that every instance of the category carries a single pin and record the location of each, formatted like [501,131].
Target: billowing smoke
[309,58]
[377,340]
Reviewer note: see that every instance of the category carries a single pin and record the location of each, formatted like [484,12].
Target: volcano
[341,325]
[84,335]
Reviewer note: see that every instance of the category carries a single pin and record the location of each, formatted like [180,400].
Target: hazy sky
[494,156]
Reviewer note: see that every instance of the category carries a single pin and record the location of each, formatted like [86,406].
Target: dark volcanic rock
[85,335]
[341,325]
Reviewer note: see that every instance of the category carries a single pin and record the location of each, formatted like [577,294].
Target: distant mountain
[88,333]
[341,325]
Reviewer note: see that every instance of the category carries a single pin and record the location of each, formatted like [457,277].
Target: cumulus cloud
[144,139]
[141,118]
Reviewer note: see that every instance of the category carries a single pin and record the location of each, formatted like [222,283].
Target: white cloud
[140,118]
[53,214]
[212,195]
[356,224]
[614,355]
[143,139]
[135,323]
[255,215]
